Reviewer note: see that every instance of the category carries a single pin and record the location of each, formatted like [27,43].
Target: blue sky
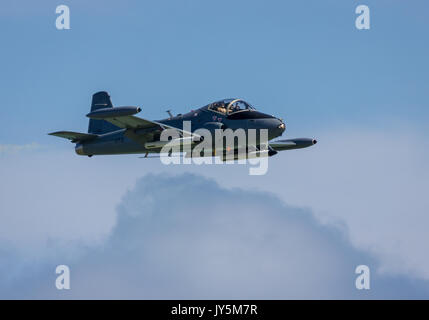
[363,94]
[302,60]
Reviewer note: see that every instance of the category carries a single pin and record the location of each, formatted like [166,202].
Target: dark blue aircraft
[118,131]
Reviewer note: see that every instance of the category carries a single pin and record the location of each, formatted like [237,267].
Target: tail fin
[101,100]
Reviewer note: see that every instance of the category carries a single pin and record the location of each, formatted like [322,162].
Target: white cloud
[187,237]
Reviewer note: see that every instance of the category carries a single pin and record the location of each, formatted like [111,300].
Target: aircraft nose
[277,127]
[281,126]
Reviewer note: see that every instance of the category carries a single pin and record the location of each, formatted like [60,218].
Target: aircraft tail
[101,100]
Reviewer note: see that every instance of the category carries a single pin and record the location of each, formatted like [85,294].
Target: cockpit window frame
[249,107]
[227,105]
[212,106]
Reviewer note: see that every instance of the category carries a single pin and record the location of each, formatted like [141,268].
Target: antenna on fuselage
[169,113]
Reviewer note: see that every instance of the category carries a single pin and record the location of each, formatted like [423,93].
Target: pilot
[221,108]
[236,108]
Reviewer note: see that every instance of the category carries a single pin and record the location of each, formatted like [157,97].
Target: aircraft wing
[124,117]
[133,122]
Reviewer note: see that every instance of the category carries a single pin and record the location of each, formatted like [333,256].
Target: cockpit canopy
[229,106]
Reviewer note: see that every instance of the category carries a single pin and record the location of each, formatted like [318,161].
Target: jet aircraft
[116,130]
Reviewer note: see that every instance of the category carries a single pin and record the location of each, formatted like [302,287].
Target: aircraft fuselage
[124,141]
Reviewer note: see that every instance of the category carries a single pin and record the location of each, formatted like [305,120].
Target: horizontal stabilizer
[74,136]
